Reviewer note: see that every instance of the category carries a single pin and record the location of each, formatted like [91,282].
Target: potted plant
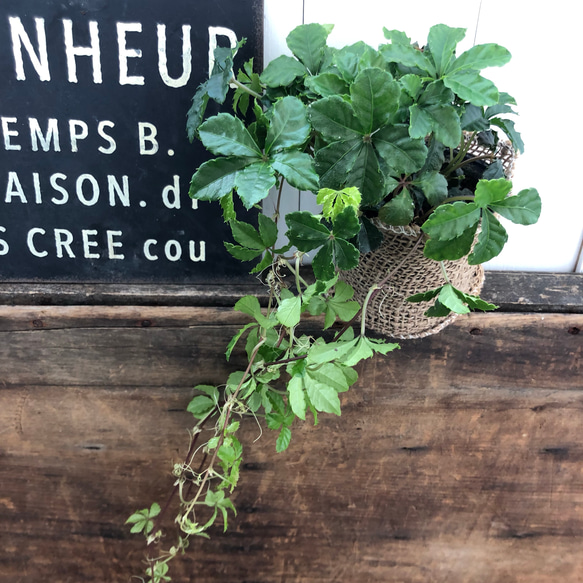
[398,140]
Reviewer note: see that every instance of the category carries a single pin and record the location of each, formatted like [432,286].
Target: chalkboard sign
[94,159]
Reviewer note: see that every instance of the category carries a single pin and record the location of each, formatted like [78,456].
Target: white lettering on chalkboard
[111,244]
[173,250]
[171,194]
[186,57]
[87,244]
[92,51]
[40,60]
[76,136]
[101,131]
[4,248]
[36,135]
[63,240]
[124,53]
[7,133]
[147,137]
[30,242]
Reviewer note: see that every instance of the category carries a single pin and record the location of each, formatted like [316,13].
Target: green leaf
[323,262]
[288,126]
[297,400]
[471,86]
[491,240]
[335,119]
[399,210]
[327,85]
[307,43]
[434,187]
[451,300]
[329,374]
[267,230]
[346,224]
[282,71]
[474,302]
[226,135]
[442,41]
[323,397]
[452,249]
[289,312]
[228,205]
[405,54]
[297,168]
[366,348]
[348,59]
[195,114]
[424,296]
[480,57]
[375,96]
[283,439]
[366,175]
[443,120]
[254,182]
[305,231]
[449,221]
[523,208]
[247,235]
[322,352]
[403,154]
[507,126]
[345,254]
[215,178]
[491,191]
[335,201]
[236,339]
[250,305]
[241,253]
[333,162]
[200,406]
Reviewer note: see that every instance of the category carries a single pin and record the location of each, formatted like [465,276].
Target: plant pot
[401,255]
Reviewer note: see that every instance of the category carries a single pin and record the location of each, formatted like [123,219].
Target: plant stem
[245,88]
[442,265]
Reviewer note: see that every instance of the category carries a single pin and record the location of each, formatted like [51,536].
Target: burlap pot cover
[401,255]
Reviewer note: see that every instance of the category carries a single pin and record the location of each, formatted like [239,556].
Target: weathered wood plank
[513,291]
[457,459]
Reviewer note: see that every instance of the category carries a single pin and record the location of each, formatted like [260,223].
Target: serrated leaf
[323,262]
[424,296]
[250,305]
[327,85]
[215,178]
[402,153]
[406,55]
[491,240]
[491,191]
[442,41]
[247,235]
[474,302]
[297,168]
[307,43]
[452,249]
[297,399]
[335,119]
[471,86]
[399,210]
[480,57]
[283,439]
[267,230]
[348,59]
[438,310]
[305,231]
[329,374]
[451,300]
[289,312]
[346,225]
[443,120]
[346,255]
[226,135]
[323,352]
[241,253]
[434,187]
[523,208]
[333,162]
[449,221]
[335,201]
[282,71]
[254,182]
[375,96]
[323,397]
[236,339]
[288,125]
[366,175]
[195,114]
[200,406]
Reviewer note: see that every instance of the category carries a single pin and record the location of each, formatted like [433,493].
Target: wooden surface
[458,458]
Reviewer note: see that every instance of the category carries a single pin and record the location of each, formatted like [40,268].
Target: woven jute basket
[410,272]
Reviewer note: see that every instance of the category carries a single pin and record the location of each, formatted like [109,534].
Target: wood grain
[458,458]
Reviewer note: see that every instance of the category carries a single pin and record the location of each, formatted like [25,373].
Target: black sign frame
[94,158]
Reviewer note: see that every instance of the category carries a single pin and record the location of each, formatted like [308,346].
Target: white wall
[544,41]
